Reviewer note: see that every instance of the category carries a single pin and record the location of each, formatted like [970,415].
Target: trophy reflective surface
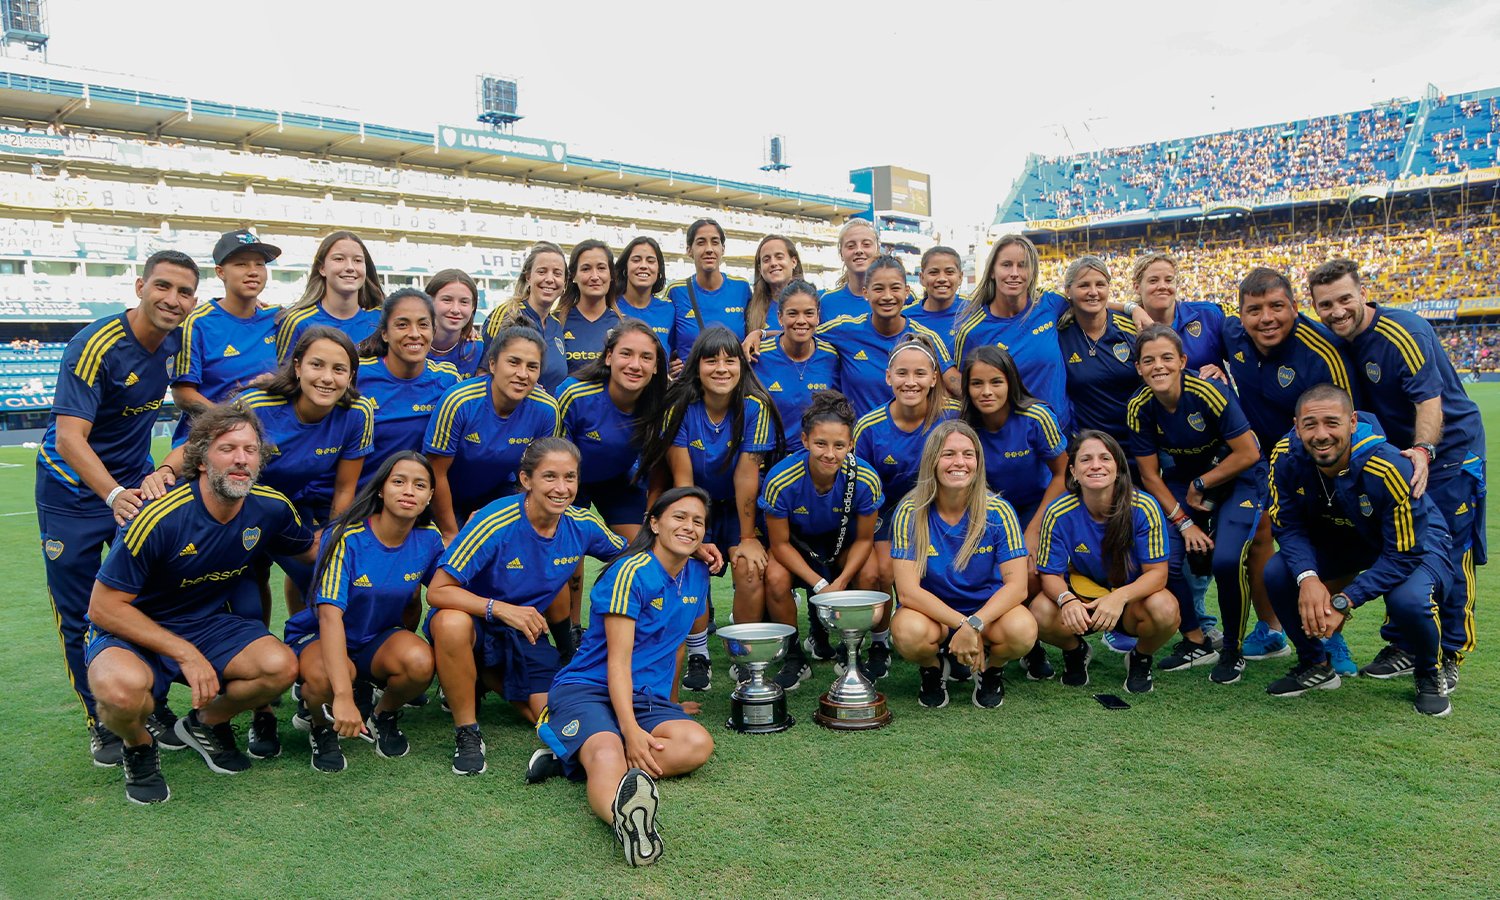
[756,706]
[852,704]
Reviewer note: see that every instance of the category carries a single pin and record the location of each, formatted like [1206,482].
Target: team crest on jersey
[656,602]
[1122,351]
[1372,371]
[131,379]
[775,386]
[230,351]
[1366,508]
[53,549]
[1195,329]
[1285,376]
[570,729]
[1196,420]
[250,537]
[1075,358]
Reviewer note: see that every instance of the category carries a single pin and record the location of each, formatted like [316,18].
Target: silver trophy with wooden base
[757,706]
[852,704]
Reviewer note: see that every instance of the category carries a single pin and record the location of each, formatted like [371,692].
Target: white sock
[881,637]
[697,644]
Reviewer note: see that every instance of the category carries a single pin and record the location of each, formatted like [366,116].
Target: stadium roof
[38,99]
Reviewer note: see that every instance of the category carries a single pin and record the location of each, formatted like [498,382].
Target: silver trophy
[756,706]
[852,704]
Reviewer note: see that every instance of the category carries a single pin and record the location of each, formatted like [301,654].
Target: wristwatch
[1429,449]
[1340,603]
[1198,483]
[975,623]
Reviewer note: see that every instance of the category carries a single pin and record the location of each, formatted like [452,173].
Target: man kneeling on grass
[1349,530]
[158,610]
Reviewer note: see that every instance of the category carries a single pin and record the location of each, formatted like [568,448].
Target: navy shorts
[361,654]
[883,525]
[219,637]
[724,529]
[619,501]
[577,712]
[524,668]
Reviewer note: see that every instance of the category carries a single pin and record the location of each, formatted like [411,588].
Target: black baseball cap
[232,242]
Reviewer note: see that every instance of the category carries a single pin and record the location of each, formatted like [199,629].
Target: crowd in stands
[1473,348]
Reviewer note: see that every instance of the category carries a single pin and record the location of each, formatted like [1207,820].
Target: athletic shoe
[1119,641]
[816,643]
[264,742]
[933,693]
[302,719]
[385,733]
[1214,636]
[877,662]
[699,675]
[1432,696]
[1450,672]
[1304,678]
[365,700]
[297,691]
[543,764]
[635,818]
[1228,669]
[144,784]
[327,755]
[794,670]
[1187,654]
[1138,678]
[1265,642]
[1036,664]
[215,743]
[163,727]
[989,688]
[1076,664]
[443,702]
[953,669]
[468,751]
[1339,657]
[419,701]
[1390,662]
[106,747]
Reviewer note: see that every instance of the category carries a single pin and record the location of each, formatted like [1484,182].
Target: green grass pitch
[1198,790]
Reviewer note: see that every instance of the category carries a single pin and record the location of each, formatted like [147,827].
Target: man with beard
[158,612]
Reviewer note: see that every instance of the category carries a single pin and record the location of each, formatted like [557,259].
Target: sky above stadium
[962,91]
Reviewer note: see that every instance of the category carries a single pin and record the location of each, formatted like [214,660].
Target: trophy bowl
[852,703]
[757,706]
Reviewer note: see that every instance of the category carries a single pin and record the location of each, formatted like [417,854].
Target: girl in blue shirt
[718,426]
[342,293]
[941,273]
[367,585]
[717,298]
[483,425]
[586,311]
[612,716]
[796,364]
[640,276]
[543,275]
[819,504]
[1200,323]
[859,245]
[1103,560]
[961,571]
[777,265]
[1098,349]
[455,298]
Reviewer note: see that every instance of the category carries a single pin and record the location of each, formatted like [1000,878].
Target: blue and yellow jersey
[841,302]
[221,353]
[403,407]
[894,454]
[708,442]
[182,564]
[789,493]
[1200,324]
[499,555]
[1071,539]
[1207,417]
[464,356]
[659,314]
[486,447]
[605,436]
[1270,383]
[969,588]
[358,326]
[370,582]
[554,360]
[1016,457]
[724,306]
[305,452]
[663,608]
[863,355]
[108,379]
[792,384]
[941,322]
[1032,340]
[583,340]
[1100,374]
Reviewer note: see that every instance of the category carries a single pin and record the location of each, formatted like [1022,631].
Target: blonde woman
[859,245]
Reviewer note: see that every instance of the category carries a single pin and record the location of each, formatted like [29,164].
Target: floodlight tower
[24,24]
[497,97]
[775,154]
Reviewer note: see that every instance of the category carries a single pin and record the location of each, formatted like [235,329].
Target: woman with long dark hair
[586,310]
[709,296]
[640,276]
[797,364]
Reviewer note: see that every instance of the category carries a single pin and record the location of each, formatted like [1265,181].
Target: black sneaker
[1076,664]
[468,751]
[1432,696]
[989,688]
[1036,664]
[1390,662]
[816,643]
[699,675]
[1304,678]
[163,727]
[215,743]
[1138,678]
[327,755]
[955,670]
[1187,654]
[877,663]
[1229,668]
[143,782]
[933,694]
[264,742]
[635,818]
[385,733]
[794,670]
[543,765]
[1450,672]
[106,747]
